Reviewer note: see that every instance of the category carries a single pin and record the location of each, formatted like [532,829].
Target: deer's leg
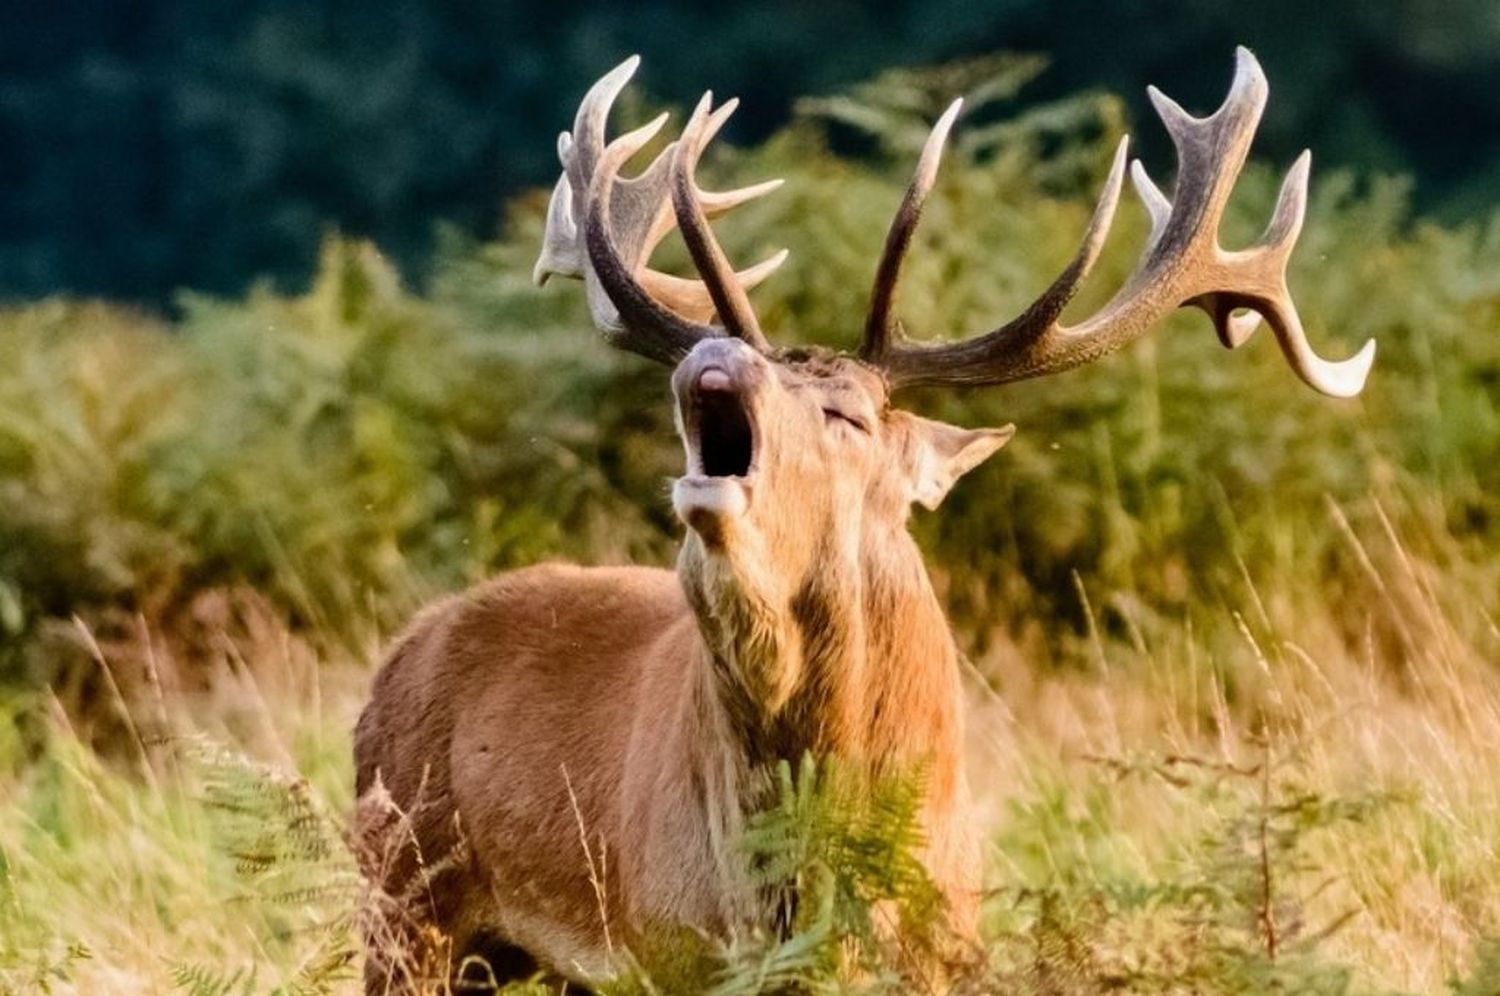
[417,867]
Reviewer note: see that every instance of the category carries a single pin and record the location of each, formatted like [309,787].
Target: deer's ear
[935,454]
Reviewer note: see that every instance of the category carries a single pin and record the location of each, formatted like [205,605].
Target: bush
[352,450]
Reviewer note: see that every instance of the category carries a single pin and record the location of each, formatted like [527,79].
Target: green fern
[204,980]
[291,858]
[1233,922]
[833,828]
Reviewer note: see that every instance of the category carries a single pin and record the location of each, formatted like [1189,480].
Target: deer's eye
[833,415]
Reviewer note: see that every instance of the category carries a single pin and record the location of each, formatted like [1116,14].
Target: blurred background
[160,145]
[273,374]
[273,347]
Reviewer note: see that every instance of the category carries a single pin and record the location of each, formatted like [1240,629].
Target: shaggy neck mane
[855,661]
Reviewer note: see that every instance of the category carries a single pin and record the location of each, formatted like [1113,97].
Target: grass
[1234,687]
[1281,814]
[1340,817]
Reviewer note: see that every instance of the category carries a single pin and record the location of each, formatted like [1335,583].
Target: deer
[587,740]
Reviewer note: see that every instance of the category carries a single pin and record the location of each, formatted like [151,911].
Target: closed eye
[832,415]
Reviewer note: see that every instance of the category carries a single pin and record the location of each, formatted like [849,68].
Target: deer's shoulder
[535,595]
[556,607]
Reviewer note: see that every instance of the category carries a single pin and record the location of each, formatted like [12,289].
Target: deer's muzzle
[716,387]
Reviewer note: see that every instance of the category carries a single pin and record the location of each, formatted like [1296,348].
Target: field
[1234,648]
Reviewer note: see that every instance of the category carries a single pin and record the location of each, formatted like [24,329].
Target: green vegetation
[1234,645]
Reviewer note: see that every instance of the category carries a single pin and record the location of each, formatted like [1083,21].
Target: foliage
[354,449]
[1235,908]
[1331,829]
[198,832]
[1234,919]
[849,834]
[1486,975]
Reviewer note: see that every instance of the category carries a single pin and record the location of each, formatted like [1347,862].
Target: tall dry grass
[1267,807]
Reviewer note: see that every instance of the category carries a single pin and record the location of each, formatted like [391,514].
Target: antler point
[615,80]
[1176,120]
[1249,82]
[1349,377]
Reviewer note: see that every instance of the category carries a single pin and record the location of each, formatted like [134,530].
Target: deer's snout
[717,386]
[721,364]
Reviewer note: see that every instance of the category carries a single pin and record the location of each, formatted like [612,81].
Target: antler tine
[1343,378]
[885,344]
[1044,312]
[657,179]
[1233,325]
[578,151]
[1157,206]
[724,285]
[640,213]
[882,325]
[622,309]
[993,358]
[560,237]
[1182,264]
[691,298]
[589,124]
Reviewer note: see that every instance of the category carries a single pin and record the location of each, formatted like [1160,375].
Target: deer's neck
[856,660]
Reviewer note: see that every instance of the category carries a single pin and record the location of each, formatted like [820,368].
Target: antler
[603,228]
[724,287]
[1182,264]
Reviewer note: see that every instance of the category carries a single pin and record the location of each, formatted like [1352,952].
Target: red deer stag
[588,739]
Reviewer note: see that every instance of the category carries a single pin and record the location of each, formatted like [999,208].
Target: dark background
[155,145]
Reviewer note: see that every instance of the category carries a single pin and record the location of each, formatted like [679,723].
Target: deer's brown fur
[597,736]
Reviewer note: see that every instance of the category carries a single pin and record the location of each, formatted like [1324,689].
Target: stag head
[795,456]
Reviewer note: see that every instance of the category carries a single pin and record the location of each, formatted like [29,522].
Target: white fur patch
[706,504]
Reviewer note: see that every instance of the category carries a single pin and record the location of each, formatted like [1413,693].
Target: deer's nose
[719,365]
[715,379]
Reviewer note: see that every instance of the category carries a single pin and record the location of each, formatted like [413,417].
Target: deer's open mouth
[719,429]
[725,441]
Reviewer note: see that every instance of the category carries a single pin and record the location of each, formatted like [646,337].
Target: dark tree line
[147,145]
